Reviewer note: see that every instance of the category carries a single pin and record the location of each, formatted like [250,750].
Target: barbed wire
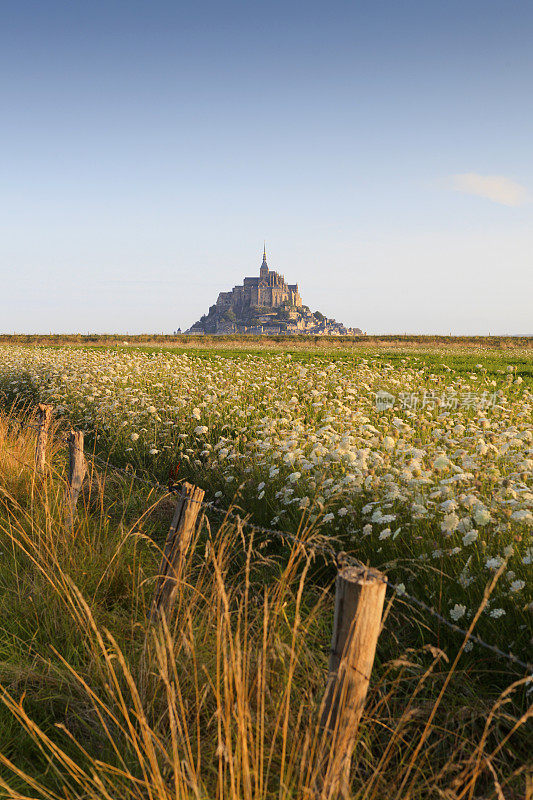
[345,559]
[340,557]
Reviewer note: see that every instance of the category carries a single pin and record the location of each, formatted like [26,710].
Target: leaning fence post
[76,471]
[45,418]
[179,536]
[359,597]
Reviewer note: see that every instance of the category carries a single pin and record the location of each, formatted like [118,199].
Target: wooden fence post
[76,472]
[179,536]
[359,598]
[45,418]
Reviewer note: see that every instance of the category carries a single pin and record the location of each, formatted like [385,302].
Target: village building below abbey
[266,304]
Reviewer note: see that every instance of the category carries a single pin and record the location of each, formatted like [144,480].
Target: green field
[432,486]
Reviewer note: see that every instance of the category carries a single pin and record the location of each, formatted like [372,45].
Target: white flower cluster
[307,435]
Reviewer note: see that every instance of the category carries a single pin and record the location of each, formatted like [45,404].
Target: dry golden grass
[222,699]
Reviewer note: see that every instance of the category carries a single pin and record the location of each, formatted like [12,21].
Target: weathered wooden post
[179,536]
[45,417]
[76,472]
[359,598]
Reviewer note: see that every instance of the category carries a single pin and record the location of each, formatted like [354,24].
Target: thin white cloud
[494,187]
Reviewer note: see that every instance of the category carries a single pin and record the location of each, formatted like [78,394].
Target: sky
[383,149]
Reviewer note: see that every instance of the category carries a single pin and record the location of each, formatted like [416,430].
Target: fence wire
[340,557]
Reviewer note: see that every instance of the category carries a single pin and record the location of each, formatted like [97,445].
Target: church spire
[263,272]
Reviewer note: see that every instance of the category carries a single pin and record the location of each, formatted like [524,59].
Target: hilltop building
[269,290]
[266,304]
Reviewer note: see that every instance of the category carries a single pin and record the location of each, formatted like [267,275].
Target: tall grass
[222,698]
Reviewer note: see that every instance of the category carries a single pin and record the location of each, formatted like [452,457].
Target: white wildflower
[481,515]
[457,612]
[470,537]
[523,515]
[449,523]
[448,506]
[465,525]
[377,516]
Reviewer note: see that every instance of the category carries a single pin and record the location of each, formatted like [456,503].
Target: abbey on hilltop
[266,304]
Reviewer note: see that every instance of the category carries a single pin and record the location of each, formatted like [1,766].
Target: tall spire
[263,272]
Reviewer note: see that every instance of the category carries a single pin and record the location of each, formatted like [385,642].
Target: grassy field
[281,343]
[224,700]
[433,486]
[435,489]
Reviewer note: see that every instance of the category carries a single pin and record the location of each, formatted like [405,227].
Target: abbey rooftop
[266,304]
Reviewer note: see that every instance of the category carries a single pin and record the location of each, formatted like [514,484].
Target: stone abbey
[269,290]
[266,304]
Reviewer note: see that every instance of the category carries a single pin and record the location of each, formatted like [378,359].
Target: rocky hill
[266,304]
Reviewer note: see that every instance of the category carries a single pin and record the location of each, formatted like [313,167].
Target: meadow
[418,464]
[302,342]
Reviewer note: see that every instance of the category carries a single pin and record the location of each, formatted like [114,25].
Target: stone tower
[263,272]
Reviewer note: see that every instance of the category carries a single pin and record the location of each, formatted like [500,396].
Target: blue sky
[383,150]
